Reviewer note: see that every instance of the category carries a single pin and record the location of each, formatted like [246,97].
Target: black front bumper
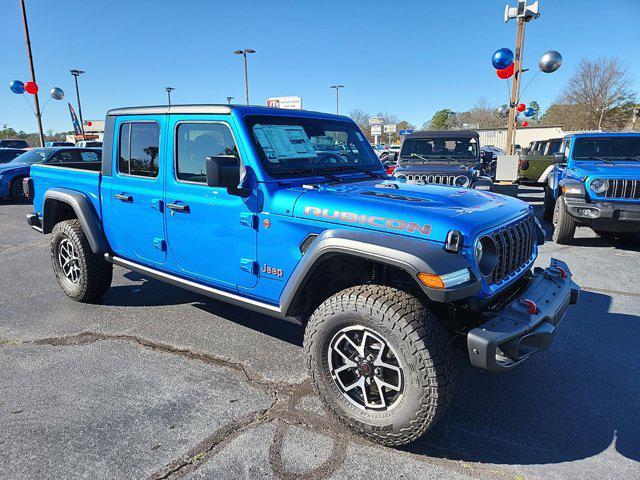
[614,215]
[515,333]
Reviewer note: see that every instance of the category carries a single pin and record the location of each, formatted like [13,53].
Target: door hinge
[249,220]
[157,204]
[160,244]
[249,265]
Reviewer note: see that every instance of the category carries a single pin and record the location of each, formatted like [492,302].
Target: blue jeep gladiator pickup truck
[239,204]
[595,183]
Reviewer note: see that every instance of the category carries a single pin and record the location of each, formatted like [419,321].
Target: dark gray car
[442,157]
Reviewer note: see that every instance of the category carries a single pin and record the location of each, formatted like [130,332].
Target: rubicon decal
[372,220]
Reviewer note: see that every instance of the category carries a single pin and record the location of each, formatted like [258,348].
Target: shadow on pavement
[572,402]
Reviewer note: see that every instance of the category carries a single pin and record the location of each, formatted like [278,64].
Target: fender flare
[407,253]
[84,211]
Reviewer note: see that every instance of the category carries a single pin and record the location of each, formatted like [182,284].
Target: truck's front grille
[623,189]
[439,179]
[514,247]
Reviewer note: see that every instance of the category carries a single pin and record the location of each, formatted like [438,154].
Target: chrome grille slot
[514,247]
[620,188]
[429,178]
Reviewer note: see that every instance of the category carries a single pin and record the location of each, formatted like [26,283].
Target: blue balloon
[17,86]
[502,58]
[528,112]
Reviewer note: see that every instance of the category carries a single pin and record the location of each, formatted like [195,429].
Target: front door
[133,204]
[211,234]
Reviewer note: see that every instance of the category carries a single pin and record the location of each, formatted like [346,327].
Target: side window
[90,156]
[197,141]
[62,157]
[139,148]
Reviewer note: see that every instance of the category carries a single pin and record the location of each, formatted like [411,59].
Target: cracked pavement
[156,382]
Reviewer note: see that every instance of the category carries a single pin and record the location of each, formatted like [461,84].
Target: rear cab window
[138,149]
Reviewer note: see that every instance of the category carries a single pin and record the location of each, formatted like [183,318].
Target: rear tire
[16,190]
[83,275]
[564,226]
[412,353]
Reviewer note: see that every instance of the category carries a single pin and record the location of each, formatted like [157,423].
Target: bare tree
[483,115]
[600,87]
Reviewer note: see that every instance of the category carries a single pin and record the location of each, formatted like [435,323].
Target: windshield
[609,148]
[304,146]
[31,157]
[437,149]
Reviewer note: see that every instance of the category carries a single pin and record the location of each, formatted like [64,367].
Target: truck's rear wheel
[381,361]
[83,275]
[564,226]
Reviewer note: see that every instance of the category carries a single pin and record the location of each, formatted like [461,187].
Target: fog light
[587,212]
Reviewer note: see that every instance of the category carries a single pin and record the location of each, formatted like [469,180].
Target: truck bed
[82,177]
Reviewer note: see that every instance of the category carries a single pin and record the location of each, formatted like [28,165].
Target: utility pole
[76,74]
[246,76]
[523,13]
[169,90]
[337,87]
[33,72]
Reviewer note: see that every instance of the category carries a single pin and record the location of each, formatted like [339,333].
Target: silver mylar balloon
[550,61]
[57,93]
[502,111]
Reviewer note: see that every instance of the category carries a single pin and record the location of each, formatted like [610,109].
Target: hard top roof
[443,134]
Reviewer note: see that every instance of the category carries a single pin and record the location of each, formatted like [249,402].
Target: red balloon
[521,107]
[31,87]
[505,72]
[525,124]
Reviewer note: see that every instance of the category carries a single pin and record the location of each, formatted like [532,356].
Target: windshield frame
[301,169]
[604,155]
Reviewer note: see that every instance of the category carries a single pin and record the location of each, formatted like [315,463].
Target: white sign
[376,129]
[390,128]
[290,103]
[375,121]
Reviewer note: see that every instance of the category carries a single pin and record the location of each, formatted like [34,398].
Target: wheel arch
[63,204]
[404,255]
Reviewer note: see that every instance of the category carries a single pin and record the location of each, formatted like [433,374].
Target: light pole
[33,72]
[229,100]
[337,87]
[76,74]
[246,77]
[169,90]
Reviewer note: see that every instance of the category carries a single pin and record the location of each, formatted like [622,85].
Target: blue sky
[420,57]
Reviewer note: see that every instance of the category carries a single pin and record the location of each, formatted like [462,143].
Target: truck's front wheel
[564,226]
[83,275]
[381,361]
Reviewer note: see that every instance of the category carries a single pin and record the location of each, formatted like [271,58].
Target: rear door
[133,207]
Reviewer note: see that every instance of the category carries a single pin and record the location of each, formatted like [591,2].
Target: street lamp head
[169,89]
[337,86]
[77,72]
[238,52]
[248,50]
[244,52]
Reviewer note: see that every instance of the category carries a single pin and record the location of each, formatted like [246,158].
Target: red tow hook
[531,306]
[562,271]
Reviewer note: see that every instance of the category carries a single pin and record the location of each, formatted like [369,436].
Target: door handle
[124,197]
[178,207]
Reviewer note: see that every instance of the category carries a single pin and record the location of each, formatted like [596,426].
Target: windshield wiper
[591,157]
[300,171]
[633,159]
[356,168]
[416,155]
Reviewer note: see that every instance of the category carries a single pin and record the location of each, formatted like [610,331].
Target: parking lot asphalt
[157,382]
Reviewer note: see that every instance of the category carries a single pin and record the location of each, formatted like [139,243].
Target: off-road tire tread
[565,230]
[427,344]
[99,272]
[548,204]
[12,188]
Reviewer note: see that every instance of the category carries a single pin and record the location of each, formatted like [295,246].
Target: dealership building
[524,136]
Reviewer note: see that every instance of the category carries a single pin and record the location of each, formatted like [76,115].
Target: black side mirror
[558,158]
[224,171]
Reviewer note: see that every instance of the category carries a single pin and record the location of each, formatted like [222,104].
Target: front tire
[16,190]
[381,361]
[548,205]
[83,275]
[564,226]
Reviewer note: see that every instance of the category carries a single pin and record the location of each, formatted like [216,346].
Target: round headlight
[486,255]
[462,181]
[599,185]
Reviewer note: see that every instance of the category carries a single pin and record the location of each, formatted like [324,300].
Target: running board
[205,290]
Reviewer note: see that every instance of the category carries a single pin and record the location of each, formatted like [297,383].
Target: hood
[618,168]
[423,211]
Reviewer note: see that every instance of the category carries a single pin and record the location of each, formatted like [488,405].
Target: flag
[74,119]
